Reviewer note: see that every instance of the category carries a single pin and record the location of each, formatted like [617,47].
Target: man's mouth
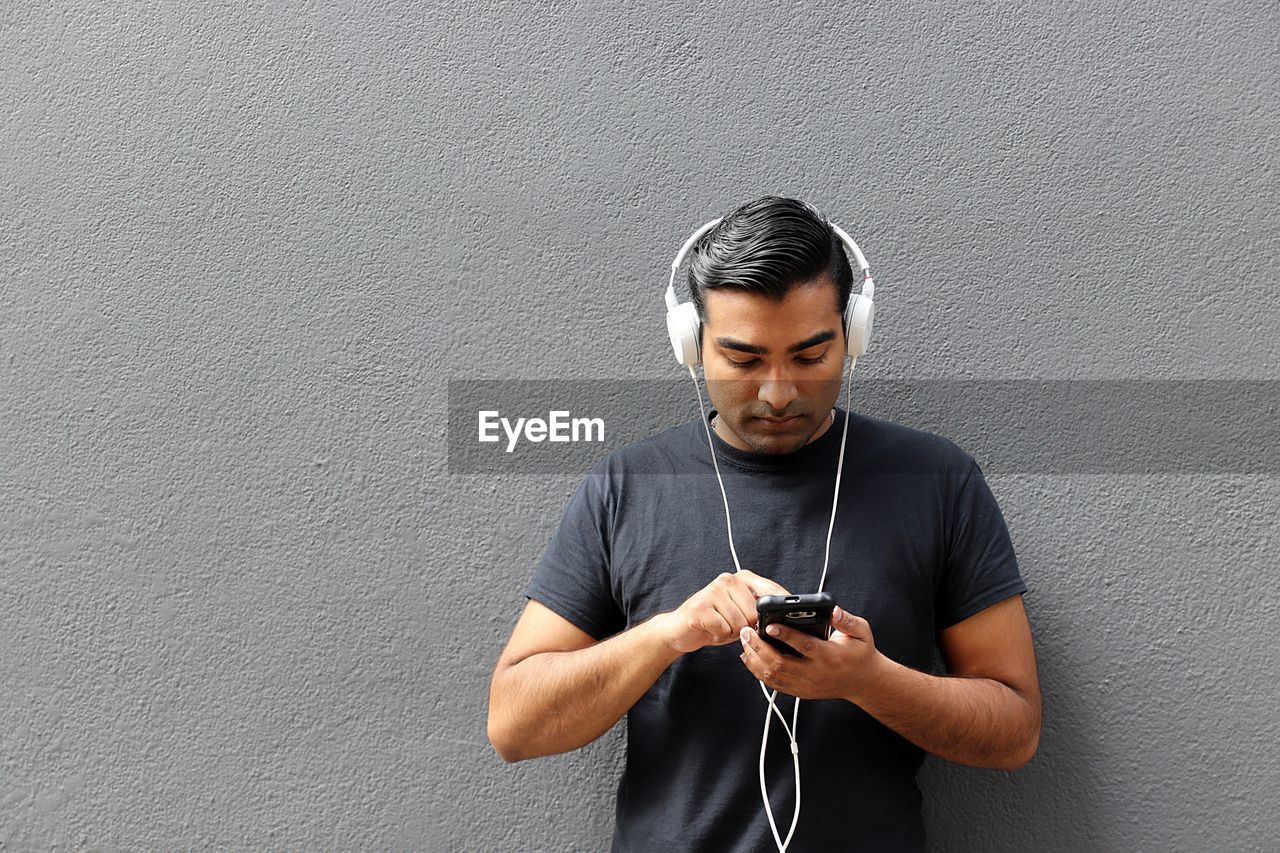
[779,421]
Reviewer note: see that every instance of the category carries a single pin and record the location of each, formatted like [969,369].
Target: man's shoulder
[666,451]
[898,447]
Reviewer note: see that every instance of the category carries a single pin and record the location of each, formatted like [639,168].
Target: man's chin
[776,447]
[778,442]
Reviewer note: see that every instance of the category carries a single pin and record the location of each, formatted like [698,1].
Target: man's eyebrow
[731,343]
[740,346]
[812,341]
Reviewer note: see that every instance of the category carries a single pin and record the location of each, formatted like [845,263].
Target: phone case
[808,613]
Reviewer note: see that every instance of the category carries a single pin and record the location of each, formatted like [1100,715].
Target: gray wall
[245,604]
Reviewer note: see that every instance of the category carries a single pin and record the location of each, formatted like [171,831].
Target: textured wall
[243,602]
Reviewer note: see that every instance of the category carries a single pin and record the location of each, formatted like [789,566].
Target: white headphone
[684,327]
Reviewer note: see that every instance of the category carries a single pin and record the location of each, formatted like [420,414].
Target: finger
[731,614]
[729,595]
[749,656]
[744,600]
[849,625]
[798,640]
[757,647]
[762,586]
[715,625]
[764,661]
[753,665]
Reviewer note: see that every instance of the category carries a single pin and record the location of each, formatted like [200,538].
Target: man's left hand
[837,668]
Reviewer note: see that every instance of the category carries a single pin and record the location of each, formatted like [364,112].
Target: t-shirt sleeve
[980,568]
[572,578]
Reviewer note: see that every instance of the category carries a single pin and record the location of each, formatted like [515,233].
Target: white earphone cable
[727,520]
[772,697]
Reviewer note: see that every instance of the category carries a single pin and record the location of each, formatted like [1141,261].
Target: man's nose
[778,392]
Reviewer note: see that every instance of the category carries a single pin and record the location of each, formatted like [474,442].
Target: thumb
[848,624]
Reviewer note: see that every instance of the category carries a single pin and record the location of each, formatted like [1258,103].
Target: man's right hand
[715,614]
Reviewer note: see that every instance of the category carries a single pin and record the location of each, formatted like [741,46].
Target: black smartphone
[808,613]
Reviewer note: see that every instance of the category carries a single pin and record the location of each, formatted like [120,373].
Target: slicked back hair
[769,246]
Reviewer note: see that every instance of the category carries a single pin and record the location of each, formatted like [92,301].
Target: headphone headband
[684,250]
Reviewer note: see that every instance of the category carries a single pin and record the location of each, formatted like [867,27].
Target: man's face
[773,369]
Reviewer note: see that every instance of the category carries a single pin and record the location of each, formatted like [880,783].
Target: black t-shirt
[919,544]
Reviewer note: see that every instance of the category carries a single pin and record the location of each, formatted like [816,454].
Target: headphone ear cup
[683,328]
[858,320]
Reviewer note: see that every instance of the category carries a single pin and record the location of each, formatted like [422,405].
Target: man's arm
[986,713]
[555,688]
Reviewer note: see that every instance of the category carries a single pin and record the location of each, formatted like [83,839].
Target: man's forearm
[557,701]
[976,721]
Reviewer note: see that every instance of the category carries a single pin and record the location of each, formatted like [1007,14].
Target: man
[634,608]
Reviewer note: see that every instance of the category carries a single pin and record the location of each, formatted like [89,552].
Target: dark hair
[769,246]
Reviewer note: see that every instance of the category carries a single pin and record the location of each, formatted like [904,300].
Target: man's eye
[817,360]
[743,365]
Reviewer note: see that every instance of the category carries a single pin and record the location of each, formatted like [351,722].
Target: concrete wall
[243,601]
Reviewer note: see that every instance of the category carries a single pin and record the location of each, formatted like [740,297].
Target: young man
[635,608]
